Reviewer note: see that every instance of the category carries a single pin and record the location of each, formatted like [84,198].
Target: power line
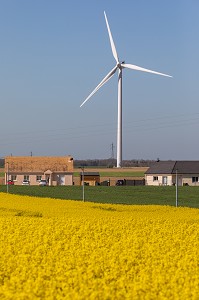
[92,131]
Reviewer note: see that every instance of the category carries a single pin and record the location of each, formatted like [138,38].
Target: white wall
[149,179]
[185,179]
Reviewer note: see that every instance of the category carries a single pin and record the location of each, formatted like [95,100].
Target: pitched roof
[39,163]
[187,167]
[161,167]
[170,167]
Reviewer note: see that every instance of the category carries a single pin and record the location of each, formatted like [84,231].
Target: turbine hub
[119,65]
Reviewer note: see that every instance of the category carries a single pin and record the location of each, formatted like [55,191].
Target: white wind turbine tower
[119,66]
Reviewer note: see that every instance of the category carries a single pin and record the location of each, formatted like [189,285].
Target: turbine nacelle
[119,65]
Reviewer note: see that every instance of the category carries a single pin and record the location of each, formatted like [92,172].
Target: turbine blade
[133,67]
[104,80]
[111,40]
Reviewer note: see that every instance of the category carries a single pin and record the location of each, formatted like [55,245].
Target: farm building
[164,173]
[90,178]
[55,170]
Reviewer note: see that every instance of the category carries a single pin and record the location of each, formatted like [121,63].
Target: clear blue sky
[54,53]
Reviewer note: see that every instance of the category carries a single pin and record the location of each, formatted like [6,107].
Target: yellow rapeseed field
[56,249]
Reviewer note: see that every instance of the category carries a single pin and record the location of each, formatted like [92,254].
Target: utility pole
[112,151]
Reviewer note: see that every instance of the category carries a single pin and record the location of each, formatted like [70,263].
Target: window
[38,177]
[155,178]
[194,179]
[26,177]
[13,177]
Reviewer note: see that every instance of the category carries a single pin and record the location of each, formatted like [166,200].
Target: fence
[139,195]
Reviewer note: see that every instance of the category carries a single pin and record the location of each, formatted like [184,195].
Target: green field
[117,174]
[187,196]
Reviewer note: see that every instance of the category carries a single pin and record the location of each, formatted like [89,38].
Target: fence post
[176,188]
[7,177]
[83,192]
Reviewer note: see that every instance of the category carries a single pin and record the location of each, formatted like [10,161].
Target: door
[180,180]
[62,180]
[164,180]
[48,179]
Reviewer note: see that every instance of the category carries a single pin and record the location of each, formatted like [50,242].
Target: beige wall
[171,179]
[187,179]
[68,179]
[149,179]
[20,179]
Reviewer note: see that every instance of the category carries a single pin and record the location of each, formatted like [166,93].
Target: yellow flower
[52,249]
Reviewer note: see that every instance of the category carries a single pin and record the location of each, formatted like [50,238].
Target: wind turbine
[119,66]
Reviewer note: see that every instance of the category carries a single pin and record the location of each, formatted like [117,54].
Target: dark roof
[187,167]
[170,167]
[161,167]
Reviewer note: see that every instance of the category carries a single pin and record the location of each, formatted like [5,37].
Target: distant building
[90,178]
[56,170]
[164,173]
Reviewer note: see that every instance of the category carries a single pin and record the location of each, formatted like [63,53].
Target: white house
[166,172]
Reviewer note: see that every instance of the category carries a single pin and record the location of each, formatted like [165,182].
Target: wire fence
[131,195]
